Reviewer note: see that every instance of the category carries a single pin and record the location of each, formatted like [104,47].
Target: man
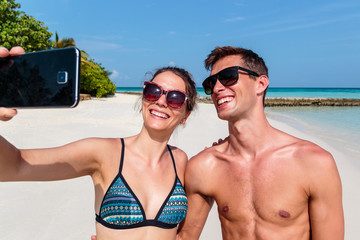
[266,183]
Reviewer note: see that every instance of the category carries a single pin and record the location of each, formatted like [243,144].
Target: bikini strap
[172,158]
[122,154]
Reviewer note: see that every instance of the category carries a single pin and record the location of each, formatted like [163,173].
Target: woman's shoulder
[180,157]
[97,144]
[177,152]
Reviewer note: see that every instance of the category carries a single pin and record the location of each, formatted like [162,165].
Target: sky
[304,43]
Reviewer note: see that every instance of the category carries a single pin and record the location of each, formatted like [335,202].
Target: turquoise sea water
[287,92]
[337,125]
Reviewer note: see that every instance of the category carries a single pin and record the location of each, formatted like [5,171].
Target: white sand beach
[65,209]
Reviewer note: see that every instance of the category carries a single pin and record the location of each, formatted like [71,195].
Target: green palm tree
[64,43]
[70,42]
[90,71]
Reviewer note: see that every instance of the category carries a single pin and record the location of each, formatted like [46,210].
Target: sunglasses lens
[151,92]
[175,99]
[209,84]
[228,76]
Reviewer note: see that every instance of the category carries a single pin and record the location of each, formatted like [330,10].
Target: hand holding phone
[8,113]
[40,79]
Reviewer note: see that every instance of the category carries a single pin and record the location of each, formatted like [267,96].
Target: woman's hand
[8,113]
[14,51]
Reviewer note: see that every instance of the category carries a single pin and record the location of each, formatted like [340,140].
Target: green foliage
[20,29]
[63,43]
[94,79]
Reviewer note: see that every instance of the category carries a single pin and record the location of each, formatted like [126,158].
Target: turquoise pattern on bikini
[120,207]
[176,207]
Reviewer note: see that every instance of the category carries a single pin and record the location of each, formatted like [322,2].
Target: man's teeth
[224,100]
[158,114]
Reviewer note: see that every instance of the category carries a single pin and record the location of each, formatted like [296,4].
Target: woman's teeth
[158,114]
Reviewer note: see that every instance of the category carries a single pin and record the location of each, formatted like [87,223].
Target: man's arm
[326,211]
[199,204]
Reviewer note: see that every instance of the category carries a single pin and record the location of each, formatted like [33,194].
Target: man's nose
[218,86]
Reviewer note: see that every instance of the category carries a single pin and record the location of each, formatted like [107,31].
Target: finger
[7,113]
[93,237]
[17,51]
[4,52]
[214,143]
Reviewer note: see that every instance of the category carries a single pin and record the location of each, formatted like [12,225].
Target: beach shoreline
[65,209]
[290,101]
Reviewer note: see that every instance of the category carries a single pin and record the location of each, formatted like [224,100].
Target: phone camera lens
[62,77]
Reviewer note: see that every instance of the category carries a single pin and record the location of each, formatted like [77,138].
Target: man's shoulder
[205,158]
[310,154]
[201,172]
[204,163]
[318,165]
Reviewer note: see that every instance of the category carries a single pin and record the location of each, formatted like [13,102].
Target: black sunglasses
[174,98]
[227,77]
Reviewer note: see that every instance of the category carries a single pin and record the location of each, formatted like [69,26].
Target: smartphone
[40,79]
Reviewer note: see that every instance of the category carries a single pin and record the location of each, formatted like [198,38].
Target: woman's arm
[69,161]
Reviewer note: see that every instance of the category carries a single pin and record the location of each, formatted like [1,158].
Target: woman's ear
[185,118]
[262,84]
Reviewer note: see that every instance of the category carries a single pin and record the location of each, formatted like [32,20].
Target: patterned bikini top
[121,209]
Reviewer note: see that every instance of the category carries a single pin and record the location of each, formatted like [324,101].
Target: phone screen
[40,79]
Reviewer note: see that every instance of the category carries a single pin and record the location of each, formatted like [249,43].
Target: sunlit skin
[234,105]
[158,115]
[148,177]
[147,168]
[266,183]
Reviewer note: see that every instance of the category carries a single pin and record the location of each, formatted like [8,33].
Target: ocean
[286,92]
[338,126]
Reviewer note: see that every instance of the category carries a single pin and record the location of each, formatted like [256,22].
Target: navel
[284,214]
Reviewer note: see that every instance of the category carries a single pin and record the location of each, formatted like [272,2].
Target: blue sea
[286,92]
[338,126]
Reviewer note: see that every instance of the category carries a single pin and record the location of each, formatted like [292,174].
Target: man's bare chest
[273,194]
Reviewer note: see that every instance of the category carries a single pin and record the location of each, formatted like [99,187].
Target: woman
[138,180]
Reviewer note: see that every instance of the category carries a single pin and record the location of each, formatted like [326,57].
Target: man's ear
[262,84]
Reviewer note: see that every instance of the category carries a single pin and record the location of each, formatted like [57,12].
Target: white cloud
[296,26]
[118,76]
[95,45]
[114,37]
[114,74]
[235,19]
